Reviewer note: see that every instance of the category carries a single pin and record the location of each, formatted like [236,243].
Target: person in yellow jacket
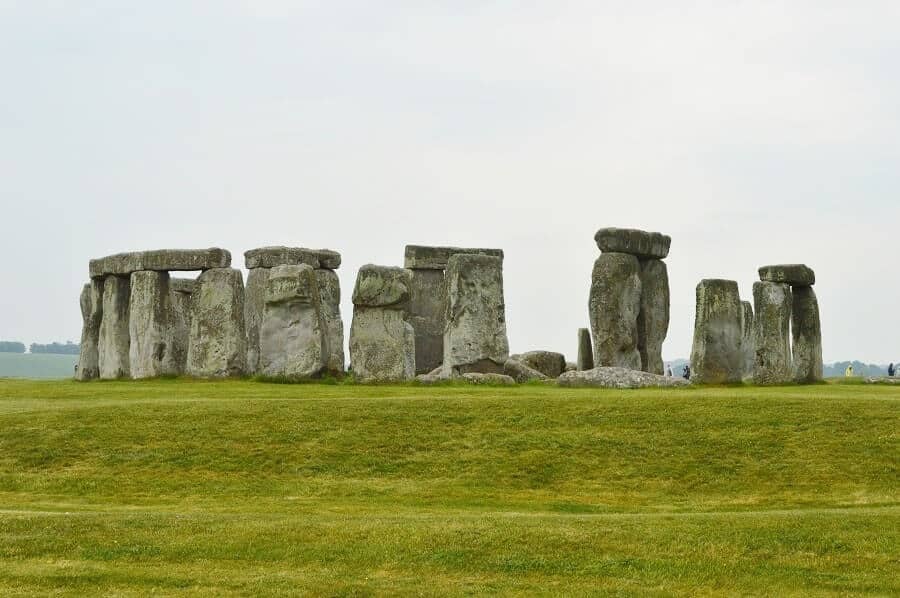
[849,371]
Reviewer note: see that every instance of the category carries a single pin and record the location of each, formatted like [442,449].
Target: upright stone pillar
[115,340]
[748,338]
[293,336]
[182,301]
[772,303]
[329,292]
[151,326]
[428,299]
[807,334]
[92,316]
[218,343]
[585,351]
[254,306]
[653,319]
[716,356]
[614,305]
[475,338]
[382,342]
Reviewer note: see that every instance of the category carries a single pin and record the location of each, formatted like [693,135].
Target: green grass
[212,488]
[38,365]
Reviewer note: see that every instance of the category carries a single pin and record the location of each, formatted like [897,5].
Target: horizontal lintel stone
[160,260]
[422,257]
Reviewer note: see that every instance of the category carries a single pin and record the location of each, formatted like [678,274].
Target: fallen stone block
[614,377]
[520,372]
[548,363]
[488,378]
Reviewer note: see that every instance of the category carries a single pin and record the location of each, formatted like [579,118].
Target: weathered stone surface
[381,286]
[113,350]
[436,258]
[475,324]
[882,380]
[653,319]
[382,345]
[748,338]
[614,305]
[716,354]
[426,312]
[613,377]
[520,372]
[585,350]
[571,366]
[182,301]
[182,285]
[254,305]
[270,257]
[634,242]
[92,316]
[488,378]
[793,274]
[330,296]
[772,302]
[806,328]
[151,325]
[548,363]
[218,343]
[161,260]
[292,333]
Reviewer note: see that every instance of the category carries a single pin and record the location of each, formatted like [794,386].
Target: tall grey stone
[92,316]
[806,327]
[653,319]
[218,345]
[475,324]
[160,260]
[585,351]
[329,286]
[772,314]
[614,305]
[254,305]
[151,326]
[382,342]
[182,292]
[716,354]
[292,334]
[113,349]
[427,310]
[748,338]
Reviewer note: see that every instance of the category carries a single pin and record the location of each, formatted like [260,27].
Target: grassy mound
[240,487]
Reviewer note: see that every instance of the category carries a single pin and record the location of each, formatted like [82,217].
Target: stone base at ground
[488,378]
[520,372]
[613,377]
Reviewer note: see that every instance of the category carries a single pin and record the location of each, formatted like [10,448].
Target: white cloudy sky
[751,132]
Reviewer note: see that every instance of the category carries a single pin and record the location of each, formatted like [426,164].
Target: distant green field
[226,488]
[27,365]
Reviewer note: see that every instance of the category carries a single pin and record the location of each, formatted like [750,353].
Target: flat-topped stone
[160,260]
[615,377]
[799,275]
[381,286]
[270,257]
[632,241]
[422,257]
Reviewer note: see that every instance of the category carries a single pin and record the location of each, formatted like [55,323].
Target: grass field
[218,488]
[39,365]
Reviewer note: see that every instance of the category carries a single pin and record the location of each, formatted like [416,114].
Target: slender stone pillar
[748,338]
[329,292]
[182,301]
[115,339]
[716,354]
[614,305]
[585,351]
[653,319]
[807,335]
[254,305]
[218,343]
[151,326]
[92,315]
[772,302]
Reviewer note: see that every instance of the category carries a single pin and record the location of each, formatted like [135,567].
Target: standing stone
[614,305]
[151,325]
[329,287]
[748,338]
[292,334]
[254,305]
[382,342]
[182,292]
[92,315]
[218,345]
[772,303]
[716,354]
[807,334]
[113,350]
[475,330]
[585,351]
[427,310]
[653,319]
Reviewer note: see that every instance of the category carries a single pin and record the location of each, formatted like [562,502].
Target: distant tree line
[11,347]
[69,348]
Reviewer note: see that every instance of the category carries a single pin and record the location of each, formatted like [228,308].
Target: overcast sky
[751,132]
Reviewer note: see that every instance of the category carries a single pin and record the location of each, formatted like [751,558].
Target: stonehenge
[629,299]
[716,356]
[441,316]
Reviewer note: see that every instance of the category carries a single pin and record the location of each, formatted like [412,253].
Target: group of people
[685,371]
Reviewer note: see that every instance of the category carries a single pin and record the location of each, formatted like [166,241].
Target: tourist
[669,371]
[686,372]
[849,371]
[891,370]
